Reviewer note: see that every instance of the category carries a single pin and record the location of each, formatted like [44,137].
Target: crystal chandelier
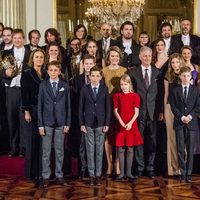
[114,12]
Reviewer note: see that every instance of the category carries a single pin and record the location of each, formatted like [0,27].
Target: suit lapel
[189,95]
[50,89]
[141,78]
[180,93]
[91,92]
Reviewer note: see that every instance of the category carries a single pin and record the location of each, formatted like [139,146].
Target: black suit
[15,116]
[131,59]
[91,107]
[185,133]
[146,117]
[28,47]
[100,46]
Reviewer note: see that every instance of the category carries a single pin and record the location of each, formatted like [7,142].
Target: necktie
[87,79]
[54,88]
[95,92]
[185,94]
[146,79]
[105,47]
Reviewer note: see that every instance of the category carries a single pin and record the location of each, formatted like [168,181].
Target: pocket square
[61,89]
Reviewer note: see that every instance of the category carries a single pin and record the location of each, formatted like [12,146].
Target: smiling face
[80,33]
[88,64]
[50,37]
[185,27]
[7,36]
[105,30]
[53,52]
[143,39]
[18,40]
[187,54]
[166,32]
[114,58]
[35,38]
[146,57]
[125,87]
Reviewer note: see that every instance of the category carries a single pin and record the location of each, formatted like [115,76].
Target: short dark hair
[88,56]
[55,63]
[33,31]
[1,24]
[184,69]
[127,23]
[164,24]
[96,69]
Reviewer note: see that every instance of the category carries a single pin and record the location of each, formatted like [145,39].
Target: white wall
[41,15]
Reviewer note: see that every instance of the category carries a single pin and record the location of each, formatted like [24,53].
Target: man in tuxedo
[105,42]
[15,116]
[1,32]
[187,38]
[7,39]
[172,44]
[129,47]
[144,79]
[34,38]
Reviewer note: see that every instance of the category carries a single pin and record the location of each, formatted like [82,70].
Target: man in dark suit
[34,38]
[128,46]
[54,116]
[172,44]
[94,119]
[185,104]
[187,38]
[7,39]
[144,79]
[13,94]
[105,42]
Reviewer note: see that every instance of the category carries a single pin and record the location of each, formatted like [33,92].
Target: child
[185,104]
[79,82]
[94,119]
[53,120]
[126,109]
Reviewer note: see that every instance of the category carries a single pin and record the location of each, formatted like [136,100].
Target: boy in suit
[53,120]
[79,82]
[94,119]
[185,104]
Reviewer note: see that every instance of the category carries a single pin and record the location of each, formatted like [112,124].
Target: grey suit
[53,114]
[146,119]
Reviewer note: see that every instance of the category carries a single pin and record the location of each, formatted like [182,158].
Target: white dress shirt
[185,39]
[149,72]
[167,42]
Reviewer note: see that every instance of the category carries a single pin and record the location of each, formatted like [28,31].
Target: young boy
[185,105]
[79,82]
[53,120]
[94,119]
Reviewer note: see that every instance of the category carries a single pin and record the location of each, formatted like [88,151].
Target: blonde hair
[126,78]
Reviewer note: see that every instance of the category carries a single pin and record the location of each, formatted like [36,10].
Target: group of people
[110,94]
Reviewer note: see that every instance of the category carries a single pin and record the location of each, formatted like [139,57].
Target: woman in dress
[30,81]
[112,74]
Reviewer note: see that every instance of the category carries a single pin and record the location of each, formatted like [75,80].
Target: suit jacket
[100,44]
[148,96]
[89,106]
[24,65]
[132,59]
[54,111]
[30,83]
[181,108]
[28,47]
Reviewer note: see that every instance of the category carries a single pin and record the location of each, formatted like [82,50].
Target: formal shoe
[131,177]
[182,179]
[91,181]
[98,181]
[21,155]
[120,177]
[45,183]
[81,175]
[38,183]
[108,176]
[151,174]
[138,174]
[188,179]
[61,181]
[13,154]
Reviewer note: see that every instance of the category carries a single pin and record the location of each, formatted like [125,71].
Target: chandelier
[113,12]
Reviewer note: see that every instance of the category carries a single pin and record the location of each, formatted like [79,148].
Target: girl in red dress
[126,109]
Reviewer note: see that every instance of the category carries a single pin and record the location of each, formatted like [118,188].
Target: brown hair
[18,30]
[96,69]
[59,51]
[184,69]
[88,56]
[30,61]
[170,75]
[55,63]
[54,32]
[116,49]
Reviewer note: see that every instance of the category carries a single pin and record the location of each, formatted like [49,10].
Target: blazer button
[54,102]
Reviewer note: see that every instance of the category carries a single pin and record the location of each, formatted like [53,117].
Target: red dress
[126,104]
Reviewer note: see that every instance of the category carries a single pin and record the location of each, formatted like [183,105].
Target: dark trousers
[185,141]
[83,153]
[15,119]
[145,154]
